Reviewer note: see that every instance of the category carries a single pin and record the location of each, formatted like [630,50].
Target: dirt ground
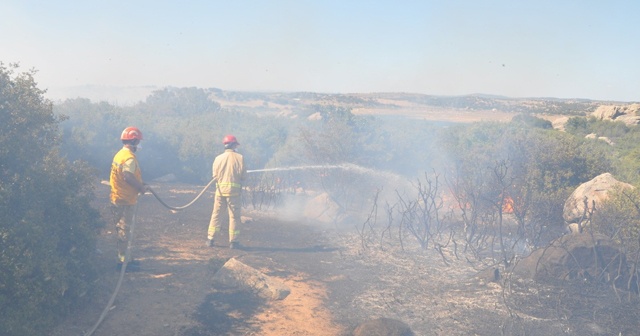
[438,114]
[338,279]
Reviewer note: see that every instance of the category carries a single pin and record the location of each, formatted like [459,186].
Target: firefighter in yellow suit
[126,184]
[229,172]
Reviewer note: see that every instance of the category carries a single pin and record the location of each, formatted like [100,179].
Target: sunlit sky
[563,49]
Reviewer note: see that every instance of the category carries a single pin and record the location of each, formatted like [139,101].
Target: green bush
[531,121]
[47,226]
[619,218]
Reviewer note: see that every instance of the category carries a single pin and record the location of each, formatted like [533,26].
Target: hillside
[466,108]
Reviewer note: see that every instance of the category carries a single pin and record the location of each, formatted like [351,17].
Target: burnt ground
[337,276]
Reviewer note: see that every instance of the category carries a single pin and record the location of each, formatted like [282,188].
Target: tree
[531,121]
[178,102]
[47,226]
[578,126]
[90,131]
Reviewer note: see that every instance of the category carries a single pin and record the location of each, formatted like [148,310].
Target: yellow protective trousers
[233,205]
[123,214]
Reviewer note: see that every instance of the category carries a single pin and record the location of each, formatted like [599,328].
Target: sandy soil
[173,294]
[338,278]
[438,114]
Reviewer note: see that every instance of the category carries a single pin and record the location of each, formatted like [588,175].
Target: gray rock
[597,190]
[583,256]
[625,113]
[235,274]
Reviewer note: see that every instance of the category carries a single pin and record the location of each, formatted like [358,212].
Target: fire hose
[184,206]
[128,251]
[122,271]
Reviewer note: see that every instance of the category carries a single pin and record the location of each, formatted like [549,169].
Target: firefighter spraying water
[229,172]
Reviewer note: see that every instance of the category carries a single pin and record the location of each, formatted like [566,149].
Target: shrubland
[47,226]
[52,154]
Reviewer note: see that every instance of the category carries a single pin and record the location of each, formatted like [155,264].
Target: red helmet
[229,139]
[131,133]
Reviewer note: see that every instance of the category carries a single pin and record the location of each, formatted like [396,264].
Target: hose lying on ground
[122,271]
[184,206]
[128,252]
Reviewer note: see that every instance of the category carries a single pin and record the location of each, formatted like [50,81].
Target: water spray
[294,168]
[345,166]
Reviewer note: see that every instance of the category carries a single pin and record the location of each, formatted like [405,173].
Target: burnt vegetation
[488,194]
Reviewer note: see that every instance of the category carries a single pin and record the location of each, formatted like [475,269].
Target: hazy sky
[565,49]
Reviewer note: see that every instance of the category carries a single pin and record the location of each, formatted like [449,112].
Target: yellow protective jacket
[123,193]
[229,172]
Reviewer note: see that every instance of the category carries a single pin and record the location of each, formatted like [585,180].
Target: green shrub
[47,226]
[619,218]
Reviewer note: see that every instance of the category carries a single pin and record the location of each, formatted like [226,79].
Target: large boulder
[608,112]
[628,114]
[589,256]
[594,191]
[323,209]
[629,119]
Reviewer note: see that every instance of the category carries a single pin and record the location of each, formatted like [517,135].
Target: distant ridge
[115,95]
[248,100]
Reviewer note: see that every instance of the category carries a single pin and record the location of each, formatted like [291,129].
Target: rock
[629,119]
[595,136]
[625,113]
[574,228]
[597,190]
[383,327]
[235,274]
[315,116]
[583,256]
[560,123]
[607,140]
[322,208]
[610,112]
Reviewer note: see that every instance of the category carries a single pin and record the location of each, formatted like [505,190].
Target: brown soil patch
[437,114]
[301,313]
[173,293]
